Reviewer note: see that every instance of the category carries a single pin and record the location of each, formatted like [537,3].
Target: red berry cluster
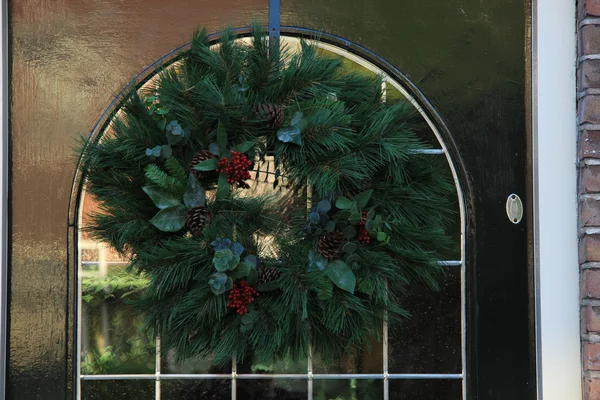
[361,229]
[236,167]
[240,296]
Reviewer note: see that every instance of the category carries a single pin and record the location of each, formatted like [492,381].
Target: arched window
[425,358]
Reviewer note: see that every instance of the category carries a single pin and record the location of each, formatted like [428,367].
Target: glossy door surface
[68,60]
[70,57]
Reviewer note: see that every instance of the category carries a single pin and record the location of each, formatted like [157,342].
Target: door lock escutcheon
[514,208]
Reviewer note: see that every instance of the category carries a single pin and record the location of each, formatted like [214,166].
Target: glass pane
[272,389]
[111,337]
[169,364]
[429,341]
[122,390]
[362,362]
[209,389]
[422,389]
[350,389]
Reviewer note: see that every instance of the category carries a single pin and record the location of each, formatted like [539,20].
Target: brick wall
[588,82]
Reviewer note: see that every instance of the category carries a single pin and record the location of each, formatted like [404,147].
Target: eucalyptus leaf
[251,260]
[371,213]
[324,206]
[194,195]
[349,232]
[349,247]
[314,218]
[297,118]
[252,277]
[218,282]
[378,222]
[290,135]
[330,226]
[229,284]
[355,218]
[170,219]
[316,261]
[381,236]
[240,271]
[244,146]
[214,148]
[341,275]
[371,226]
[343,203]
[237,249]
[166,151]
[345,214]
[207,165]
[161,198]
[162,111]
[362,198]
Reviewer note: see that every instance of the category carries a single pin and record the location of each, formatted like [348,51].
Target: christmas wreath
[277,203]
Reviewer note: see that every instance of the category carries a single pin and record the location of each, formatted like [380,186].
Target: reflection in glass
[117,390]
[430,340]
[350,389]
[215,389]
[425,389]
[271,389]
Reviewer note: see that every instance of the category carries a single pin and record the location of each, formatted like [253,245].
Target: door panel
[468,60]
[69,58]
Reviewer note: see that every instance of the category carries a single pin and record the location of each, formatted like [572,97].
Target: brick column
[588,82]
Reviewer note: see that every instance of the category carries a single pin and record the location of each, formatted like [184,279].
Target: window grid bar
[309,372]
[446,263]
[233,376]
[157,369]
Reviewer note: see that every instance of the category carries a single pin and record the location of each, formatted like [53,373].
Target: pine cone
[330,245]
[273,112]
[196,218]
[268,274]
[199,157]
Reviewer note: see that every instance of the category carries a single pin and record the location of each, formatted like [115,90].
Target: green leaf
[381,236]
[221,136]
[378,222]
[223,187]
[343,203]
[290,135]
[324,206]
[297,118]
[314,218]
[252,277]
[341,275]
[161,198]
[349,232]
[170,219]
[362,198]
[355,218]
[162,111]
[218,282]
[371,213]
[251,260]
[207,165]
[162,124]
[371,226]
[194,195]
[330,226]
[244,146]
[349,247]
[240,271]
[267,287]
[316,261]
[214,148]
[229,284]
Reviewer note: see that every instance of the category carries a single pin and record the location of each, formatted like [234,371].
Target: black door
[464,62]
